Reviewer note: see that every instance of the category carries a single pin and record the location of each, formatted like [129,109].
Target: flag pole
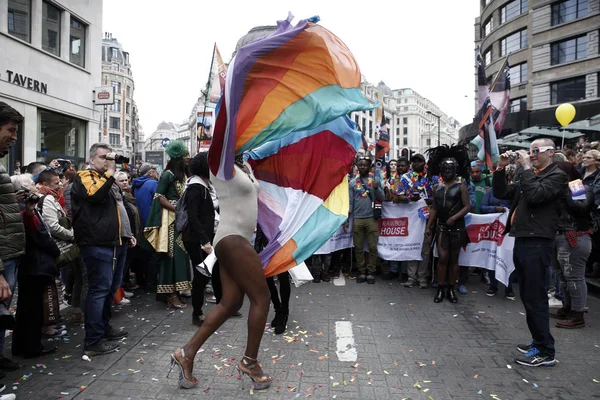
[206,94]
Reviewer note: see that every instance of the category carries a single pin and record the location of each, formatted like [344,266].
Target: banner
[204,130]
[339,241]
[489,249]
[401,231]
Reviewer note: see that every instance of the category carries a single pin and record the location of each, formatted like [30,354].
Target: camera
[513,157]
[31,197]
[117,158]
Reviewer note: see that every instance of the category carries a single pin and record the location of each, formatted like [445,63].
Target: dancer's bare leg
[241,273]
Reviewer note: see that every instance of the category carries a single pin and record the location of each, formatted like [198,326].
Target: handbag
[69,251]
[51,306]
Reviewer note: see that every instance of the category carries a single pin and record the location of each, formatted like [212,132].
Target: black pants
[199,281]
[145,267]
[132,254]
[532,256]
[27,336]
[281,304]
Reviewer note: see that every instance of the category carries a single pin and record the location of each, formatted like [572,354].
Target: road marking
[341,281]
[345,341]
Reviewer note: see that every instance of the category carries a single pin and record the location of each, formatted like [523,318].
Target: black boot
[452,295]
[439,297]
[281,323]
[276,319]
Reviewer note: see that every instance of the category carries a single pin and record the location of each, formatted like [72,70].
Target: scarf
[57,194]
[364,192]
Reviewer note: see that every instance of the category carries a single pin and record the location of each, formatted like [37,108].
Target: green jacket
[12,230]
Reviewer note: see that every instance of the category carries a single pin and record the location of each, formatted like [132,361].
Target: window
[371,129]
[364,125]
[405,141]
[115,138]
[115,67]
[370,113]
[115,123]
[518,74]
[428,142]
[569,10]
[51,28]
[567,90]
[116,106]
[127,125]
[569,50]
[487,27]
[514,42]
[77,42]
[127,140]
[513,10]
[405,131]
[397,141]
[517,105]
[488,2]
[487,57]
[114,52]
[397,121]
[19,19]
[127,109]
[405,121]
[117,86]
[99,137]
[60,136]
[128,90]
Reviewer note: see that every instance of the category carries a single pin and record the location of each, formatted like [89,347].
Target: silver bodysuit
[238,204]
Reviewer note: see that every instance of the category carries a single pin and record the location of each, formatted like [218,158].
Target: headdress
[458,152]
[176,149]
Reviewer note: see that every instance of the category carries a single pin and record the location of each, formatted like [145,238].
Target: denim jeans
[571,270]
[11,266]
[532,257]
[399,267]
[105,272]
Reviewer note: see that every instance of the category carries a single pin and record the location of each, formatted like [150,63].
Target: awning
[589,124]
[514,144]
[540,131]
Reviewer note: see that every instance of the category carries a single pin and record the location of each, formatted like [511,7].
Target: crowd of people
[101,232]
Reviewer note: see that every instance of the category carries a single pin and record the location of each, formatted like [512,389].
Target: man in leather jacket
[533,221]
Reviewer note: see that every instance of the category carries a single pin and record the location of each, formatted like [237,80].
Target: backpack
[181,213]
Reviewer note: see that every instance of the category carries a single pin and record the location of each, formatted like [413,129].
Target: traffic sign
[165,142]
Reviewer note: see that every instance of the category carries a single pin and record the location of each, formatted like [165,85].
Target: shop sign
[26,82]
[104,95]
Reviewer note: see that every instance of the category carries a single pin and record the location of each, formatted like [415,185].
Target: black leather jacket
[536,201]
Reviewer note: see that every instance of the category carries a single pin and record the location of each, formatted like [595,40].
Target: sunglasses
[535,151]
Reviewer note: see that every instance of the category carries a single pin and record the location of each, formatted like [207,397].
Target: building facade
[49,68]
[119,124]
[409,123]
[552,48]
[153,145]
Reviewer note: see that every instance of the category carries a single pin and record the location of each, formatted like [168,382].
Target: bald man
[533,221]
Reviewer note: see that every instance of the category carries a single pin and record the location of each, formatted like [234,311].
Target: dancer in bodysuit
[241,274]
[450,205]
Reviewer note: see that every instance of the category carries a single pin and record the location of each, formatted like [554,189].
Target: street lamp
[438,118]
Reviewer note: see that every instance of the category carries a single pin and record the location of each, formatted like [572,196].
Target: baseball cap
[145,168]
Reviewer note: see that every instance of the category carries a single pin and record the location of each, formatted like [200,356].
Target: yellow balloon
[565,114]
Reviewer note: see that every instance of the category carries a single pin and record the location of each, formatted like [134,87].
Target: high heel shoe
[173,301]
[245,368]
[183,382]
[452,295]
[439,297]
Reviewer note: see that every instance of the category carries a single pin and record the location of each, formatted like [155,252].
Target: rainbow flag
[285,106]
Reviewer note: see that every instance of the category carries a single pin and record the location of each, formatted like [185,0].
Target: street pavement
[398,345]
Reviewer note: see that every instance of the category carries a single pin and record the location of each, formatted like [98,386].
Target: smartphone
[64,164]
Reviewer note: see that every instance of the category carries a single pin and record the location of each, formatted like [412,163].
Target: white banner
[401,231]
[489,249]
[339,241]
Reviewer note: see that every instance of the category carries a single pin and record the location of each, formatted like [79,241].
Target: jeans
[532,257]
[494,282]
[11,267]
[399,267]
[418,271]
[105,272]
[571,270]
[365,227]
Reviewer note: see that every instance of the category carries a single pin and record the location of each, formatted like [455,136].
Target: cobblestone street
[406,347]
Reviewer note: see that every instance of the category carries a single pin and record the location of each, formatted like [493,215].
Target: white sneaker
[553,302]
[211,299]
[8,397]
[128,294]
[122,302]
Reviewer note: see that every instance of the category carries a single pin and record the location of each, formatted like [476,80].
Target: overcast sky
[426,45]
